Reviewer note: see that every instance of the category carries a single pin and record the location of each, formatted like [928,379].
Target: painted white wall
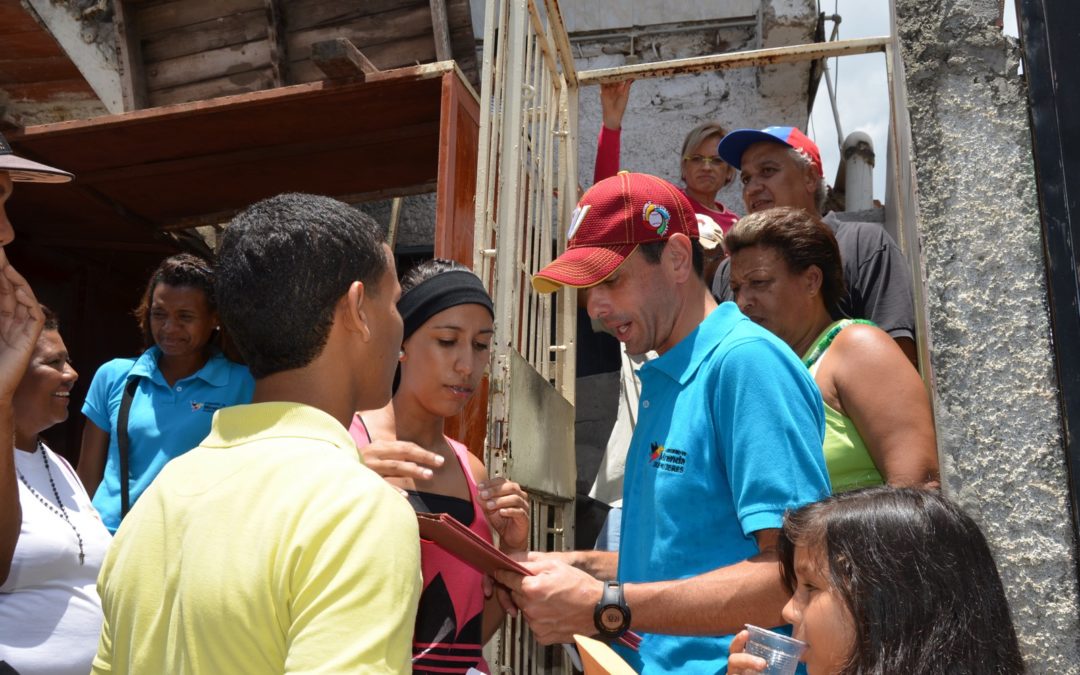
[592,15]
[93,59]
[606,15]
[662,111]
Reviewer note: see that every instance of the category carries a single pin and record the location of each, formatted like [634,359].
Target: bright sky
[861,92]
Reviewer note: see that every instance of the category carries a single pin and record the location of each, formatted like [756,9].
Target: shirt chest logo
[667,459]
[206,406]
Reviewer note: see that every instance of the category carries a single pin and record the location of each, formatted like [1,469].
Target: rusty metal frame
[903,213]
[744,59]
[526,189]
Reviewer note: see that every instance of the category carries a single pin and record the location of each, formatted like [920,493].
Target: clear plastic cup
[780,651]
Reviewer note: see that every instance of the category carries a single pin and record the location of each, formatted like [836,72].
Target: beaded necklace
[62,511]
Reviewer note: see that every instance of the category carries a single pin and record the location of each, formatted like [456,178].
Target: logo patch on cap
[575,220]
[657,217]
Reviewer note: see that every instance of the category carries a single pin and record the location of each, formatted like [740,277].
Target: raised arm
[20,324]
[613,100]
[883,395]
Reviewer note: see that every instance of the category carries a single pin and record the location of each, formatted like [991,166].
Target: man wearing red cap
[780,166]
[728,438]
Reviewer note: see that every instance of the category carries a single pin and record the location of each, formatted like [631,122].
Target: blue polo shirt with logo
[729,436]
[164,421]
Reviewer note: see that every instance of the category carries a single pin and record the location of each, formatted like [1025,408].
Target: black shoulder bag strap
[122,444]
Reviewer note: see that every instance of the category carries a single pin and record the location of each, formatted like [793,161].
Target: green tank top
[846,457]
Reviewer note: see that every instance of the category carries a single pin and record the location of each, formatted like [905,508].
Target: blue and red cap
[732,146]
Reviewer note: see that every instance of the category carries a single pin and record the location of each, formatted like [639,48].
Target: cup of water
[780,651]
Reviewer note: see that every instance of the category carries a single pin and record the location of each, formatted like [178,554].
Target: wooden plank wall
[197,49]
[391,33]
[462,40]
[33,67]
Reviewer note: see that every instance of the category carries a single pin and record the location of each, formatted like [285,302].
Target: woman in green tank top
[786,275]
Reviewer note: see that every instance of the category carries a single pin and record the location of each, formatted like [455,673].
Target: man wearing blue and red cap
[728,438]
[780,166]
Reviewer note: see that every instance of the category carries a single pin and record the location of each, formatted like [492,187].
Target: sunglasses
[703,159]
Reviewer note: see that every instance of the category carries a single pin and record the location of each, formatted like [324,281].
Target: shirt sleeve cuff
[762,520]
[95,417]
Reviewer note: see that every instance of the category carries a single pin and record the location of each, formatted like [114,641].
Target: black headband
[441,292]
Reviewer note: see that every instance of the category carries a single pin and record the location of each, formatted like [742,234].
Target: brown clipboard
[451,535]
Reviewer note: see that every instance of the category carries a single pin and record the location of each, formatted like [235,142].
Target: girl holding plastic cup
[891,580]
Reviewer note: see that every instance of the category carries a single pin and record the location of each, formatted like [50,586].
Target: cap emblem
[575,219]
[657,217]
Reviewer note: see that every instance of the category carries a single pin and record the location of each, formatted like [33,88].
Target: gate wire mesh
[526,190]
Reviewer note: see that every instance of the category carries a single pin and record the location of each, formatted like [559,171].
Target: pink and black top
[448,637]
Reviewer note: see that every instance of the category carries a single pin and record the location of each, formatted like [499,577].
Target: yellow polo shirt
[270,548]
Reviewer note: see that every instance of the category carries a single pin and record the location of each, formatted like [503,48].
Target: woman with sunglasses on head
[167,396]
[448,327]
[702,171]
[50,613]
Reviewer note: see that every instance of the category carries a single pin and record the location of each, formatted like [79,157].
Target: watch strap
[612,600]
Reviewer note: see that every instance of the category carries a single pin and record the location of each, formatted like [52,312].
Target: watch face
[612,618]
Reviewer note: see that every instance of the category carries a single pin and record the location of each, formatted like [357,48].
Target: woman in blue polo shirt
[172,390]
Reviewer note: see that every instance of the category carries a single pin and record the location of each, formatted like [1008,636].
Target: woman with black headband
[449,324]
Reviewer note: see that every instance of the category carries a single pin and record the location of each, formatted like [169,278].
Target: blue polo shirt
[729,434]
[164,422]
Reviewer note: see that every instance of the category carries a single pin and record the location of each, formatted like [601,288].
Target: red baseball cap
[732,146]
[612,218]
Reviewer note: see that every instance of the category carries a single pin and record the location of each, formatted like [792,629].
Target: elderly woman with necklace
[50,613]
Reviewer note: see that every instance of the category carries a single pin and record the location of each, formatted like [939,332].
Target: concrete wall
[662,111]
[997,409]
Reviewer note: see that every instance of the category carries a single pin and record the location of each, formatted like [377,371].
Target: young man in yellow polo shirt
[270,548]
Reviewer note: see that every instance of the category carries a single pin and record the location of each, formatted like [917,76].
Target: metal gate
[526,189]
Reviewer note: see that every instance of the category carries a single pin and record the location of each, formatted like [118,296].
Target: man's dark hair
[181,270]
[917,577]
[801,239]
[283,265]
[652,251]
